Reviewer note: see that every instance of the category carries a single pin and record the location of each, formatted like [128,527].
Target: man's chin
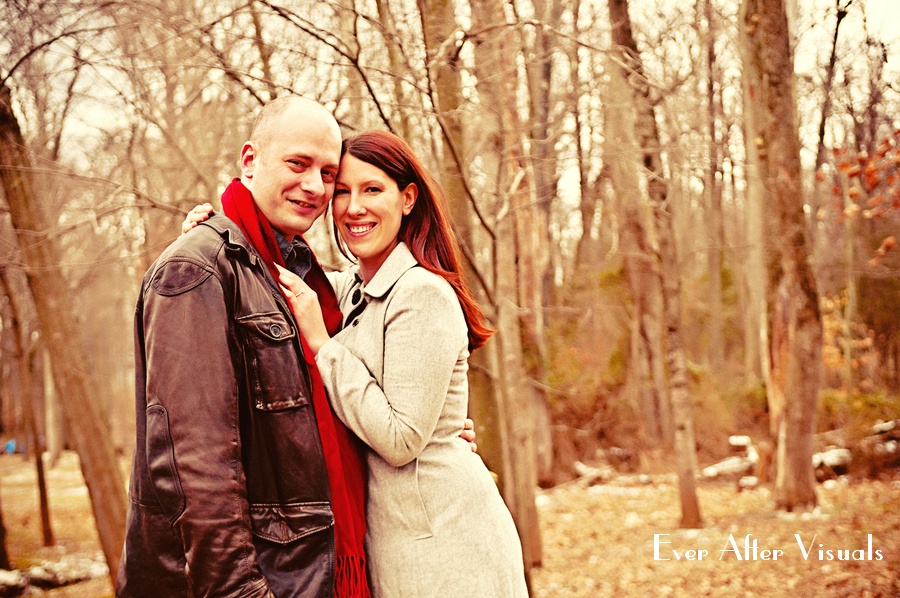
[292,227]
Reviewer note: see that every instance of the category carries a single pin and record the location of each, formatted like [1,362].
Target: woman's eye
[340,192]
[373,190]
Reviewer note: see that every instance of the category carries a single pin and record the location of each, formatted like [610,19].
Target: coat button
[275,330]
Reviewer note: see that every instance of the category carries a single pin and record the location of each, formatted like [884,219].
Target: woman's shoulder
[423,279]
[427,291]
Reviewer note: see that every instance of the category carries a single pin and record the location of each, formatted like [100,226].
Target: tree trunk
[485,405]
[24,357]
[438,24]
[641,262]
[5,561]
[534,242]
[73,378]
[5,288]
[514,263]
[851,299]
[666,260]
[716,230]
[400,115]
[587,253]
[798,346]
[54,431]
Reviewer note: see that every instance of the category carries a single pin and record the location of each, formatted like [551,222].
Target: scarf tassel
[350,577]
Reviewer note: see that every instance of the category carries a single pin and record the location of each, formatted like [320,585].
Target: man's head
[291,161]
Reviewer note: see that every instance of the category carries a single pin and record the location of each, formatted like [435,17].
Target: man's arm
[193,435]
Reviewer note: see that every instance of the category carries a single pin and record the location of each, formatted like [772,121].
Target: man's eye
[328,176]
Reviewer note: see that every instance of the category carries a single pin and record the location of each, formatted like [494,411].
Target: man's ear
[249,155]
[410,194]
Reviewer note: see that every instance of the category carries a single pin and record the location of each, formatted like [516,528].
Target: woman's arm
[404,323]
[424,334]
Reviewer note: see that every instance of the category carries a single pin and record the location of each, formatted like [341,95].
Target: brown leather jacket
[229,492]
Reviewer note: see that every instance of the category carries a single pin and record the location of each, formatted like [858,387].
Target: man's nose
[312,182]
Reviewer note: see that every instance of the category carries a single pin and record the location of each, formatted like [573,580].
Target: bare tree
[512,193]
[25,359]
[641,264]
[716,230]
[666,266]
[796,340]
[91,435]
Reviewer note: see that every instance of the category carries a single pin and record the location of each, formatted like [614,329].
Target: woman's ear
[410,194]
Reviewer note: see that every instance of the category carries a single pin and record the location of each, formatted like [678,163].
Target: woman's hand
[197,215]
[305,305]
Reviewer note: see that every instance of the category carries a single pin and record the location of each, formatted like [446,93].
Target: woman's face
[368,208]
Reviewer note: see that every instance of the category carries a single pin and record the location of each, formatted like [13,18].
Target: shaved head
[268,121]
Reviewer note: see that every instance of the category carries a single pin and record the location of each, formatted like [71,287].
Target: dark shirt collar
[296,253]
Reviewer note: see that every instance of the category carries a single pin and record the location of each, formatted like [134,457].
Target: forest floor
[597,540]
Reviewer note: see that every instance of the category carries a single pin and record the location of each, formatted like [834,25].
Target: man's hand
[468,434]
[197,215]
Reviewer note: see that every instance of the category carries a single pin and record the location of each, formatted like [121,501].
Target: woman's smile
[368,209]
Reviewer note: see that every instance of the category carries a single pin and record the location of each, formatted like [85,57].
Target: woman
[396,376]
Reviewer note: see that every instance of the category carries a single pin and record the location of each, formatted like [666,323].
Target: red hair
[426,229]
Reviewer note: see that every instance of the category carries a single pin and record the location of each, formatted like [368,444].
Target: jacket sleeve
[193,437]
[424,335]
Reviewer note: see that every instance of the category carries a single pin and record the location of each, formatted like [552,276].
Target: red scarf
[343,459]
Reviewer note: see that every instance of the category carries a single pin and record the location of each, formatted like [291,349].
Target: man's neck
[296,253]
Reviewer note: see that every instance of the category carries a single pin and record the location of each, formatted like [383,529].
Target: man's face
[291,171]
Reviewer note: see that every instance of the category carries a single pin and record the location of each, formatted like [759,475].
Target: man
[244,483]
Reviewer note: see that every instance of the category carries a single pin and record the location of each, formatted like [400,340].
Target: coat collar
[395,266]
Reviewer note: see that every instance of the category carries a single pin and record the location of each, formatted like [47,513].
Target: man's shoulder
[195,256]
[204,241]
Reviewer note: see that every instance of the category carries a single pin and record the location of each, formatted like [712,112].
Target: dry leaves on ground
[598,540]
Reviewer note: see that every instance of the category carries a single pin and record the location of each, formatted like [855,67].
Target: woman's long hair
[426,229]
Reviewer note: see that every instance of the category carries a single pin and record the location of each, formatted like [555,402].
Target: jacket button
[275,330]
[356,322]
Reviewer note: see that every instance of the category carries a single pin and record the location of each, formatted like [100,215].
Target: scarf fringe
[350,577]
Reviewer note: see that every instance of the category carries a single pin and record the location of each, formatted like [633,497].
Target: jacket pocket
[274,362]
[161,463]
[283,524]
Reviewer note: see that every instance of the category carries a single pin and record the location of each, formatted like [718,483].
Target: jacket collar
[228,230]
[395,266]
[234,238]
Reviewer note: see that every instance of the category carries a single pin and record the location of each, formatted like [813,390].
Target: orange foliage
[872,180]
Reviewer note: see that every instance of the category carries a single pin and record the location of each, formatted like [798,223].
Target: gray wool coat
[396,376]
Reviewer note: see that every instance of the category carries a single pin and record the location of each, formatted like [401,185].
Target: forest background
[680,217]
